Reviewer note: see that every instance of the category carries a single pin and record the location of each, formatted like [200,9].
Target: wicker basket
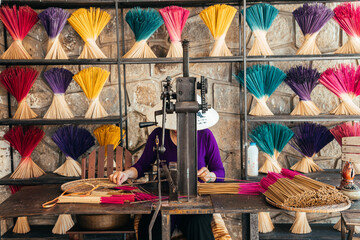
[102,221]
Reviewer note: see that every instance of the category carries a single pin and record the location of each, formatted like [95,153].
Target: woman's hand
[119,177]
[205,175]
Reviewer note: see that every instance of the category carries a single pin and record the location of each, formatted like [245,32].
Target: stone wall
[144,85]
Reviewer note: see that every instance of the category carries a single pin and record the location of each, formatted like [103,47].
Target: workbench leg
[343,229]
[250,226]
[351,232]
[166,226]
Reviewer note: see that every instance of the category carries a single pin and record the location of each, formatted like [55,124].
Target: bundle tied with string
[347,15]
[54,20]
[175,18]
[261,82]
[58,80]
[308,140]
[143,23]
[344,82]
[302,80]
[259,17]
[271,139]
[218,19]
[25,140]
[73,142]
[18,82]
[311,19]
[89,24]
[18,23]
[92,81]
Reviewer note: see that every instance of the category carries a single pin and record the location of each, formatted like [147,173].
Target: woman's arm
[214,162]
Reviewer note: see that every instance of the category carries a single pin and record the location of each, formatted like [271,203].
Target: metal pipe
[245,92]
[186,58]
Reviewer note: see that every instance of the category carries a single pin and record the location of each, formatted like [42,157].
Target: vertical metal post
[241,104]
[166,226]
[245,91]
[186,58]
[250,230]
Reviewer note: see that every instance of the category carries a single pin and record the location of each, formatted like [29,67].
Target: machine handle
[147,124]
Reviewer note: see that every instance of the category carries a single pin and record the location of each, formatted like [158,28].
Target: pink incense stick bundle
[126,188]
[344,82]
[249,188]
[175,18]
[118,199]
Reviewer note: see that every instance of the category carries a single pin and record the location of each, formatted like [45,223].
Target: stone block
[215,71]
[137,136]
[281,30]
[78,103]
[227,132]
[226,98]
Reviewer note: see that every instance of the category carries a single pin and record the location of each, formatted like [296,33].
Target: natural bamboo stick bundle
[259,17]
[63,224]
[18,23]
[58,80]
[229,188]
[18,82]
[114,199]
[261,82]
[218,228]
[54,20]
[92,81]
[21,226]
[301,224]
[89,24]
[337,227]
[218,19]
[265,223]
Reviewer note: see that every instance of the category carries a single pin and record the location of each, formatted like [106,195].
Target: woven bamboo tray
[319,209]
[84,185]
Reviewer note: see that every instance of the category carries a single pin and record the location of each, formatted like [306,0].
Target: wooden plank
[351,219]
[101,162]
[350,149]
[110,159]
[128,159]
[119,158]
[351,141]
[350,157]
[47,178]
[91,162]
[83,168]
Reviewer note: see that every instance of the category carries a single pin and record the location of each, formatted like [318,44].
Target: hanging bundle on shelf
[25,141]
[63,224]
[311,19]
[302,80]
[143,23]
[347,15]
[344,82]
[308,140]
[22,225]
[218,19]
[54,20]
[18,81]
[271,139]
[89,24]
[58,80]
[18,24]
[73,142]
[175,18]
[262,81]
[259,17]
[92,81]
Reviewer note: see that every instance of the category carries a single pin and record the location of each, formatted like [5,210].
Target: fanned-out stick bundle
[73,142]
[54,20]
[18,81]
[229,188]
[63,224]
[337,227]
[259,17]
[58,80]
[265,223]
[18,23]
[311,19]
[175,18]
[89,24]
[308,140]
[271,139]
[344,82]
[218,19]
[24,141]
[262,81]
[21,226]
[302,80]
[92,81]
[143,22]
[347,15]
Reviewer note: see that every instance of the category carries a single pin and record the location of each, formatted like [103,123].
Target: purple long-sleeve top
[208,153]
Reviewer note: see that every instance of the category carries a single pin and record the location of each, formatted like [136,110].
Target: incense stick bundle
[18,82]
[311,19]
[175,18]
[58,80]
[262,81]
[301,224]
[302,80]
[229,188]
[54,20]
[344,82]
[218,19]
[18,24]
[143,22]
[271,139]
[73,142]
[114,199]
[63,224]
[308,140]
[259,17]
[21,226]
[265,223]
[92,81]
[347,15]
[337,227]
[89,24]
[25,141]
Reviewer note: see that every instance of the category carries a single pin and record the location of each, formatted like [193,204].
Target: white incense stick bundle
[306,108]
[265,223]
[27,169]
[21,226]
[70,168]
[271,164]
[63,224]
[306,165]
[301,225]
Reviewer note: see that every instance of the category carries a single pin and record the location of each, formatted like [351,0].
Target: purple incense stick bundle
[311,19]
[302,80]
[54,20]
[58,80]
[73,142]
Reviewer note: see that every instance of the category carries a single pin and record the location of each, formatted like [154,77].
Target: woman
[210,169]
